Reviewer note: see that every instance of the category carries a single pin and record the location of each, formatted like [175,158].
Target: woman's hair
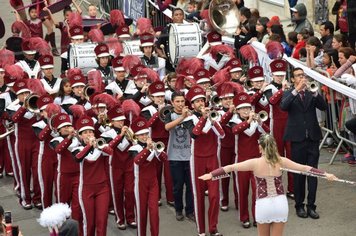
[334,57]
[268,144]
[341,39]
[61,93]
[347,51]
[171,75]
[278,29]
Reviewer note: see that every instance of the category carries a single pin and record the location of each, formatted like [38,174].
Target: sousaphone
[224,16]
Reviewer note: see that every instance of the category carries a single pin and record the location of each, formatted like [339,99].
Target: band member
[247,127]
[170,82]
[47,163]
[30,65]
[103,60]
[271,205]
[146,155]
[258,99]
[236,71]
[226,154]
[50,83]
[148,59]
[94,191]
[67,179]
[143,77]
[278,120]
[205,133]
[304,133]
[121,169]
[202,78]
[178,151]
[26,151]
[123,33]
[158,133]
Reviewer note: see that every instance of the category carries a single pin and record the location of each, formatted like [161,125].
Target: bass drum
[184,41]
[82,56]
[132,47]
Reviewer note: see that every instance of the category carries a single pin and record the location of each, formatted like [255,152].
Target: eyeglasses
[299,75]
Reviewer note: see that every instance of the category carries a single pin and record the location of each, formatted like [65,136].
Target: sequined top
[269,186]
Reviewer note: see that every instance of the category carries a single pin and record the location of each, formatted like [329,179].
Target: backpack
[342,21]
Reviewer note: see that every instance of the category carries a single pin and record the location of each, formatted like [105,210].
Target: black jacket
[302,121]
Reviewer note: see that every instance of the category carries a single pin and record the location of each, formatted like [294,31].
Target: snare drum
[82,56]
[132,47]
[184,41]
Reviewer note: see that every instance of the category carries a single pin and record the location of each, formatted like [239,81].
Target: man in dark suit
[304,133]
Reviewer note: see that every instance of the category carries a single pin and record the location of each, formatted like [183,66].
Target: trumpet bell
[214,116]
[88,91]
[129,135]
[31,103]
[163,112]
[159,146]
[101,143]
[215,101]
[313,86]
[224,16]
[263,116]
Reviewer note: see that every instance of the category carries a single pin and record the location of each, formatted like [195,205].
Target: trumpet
[10,128]
[312,86]
[158,146]
[129,135]
[88,91]
[100,143]
[31,103]
[164,111]
[262,116]
[213,116]
[215,101]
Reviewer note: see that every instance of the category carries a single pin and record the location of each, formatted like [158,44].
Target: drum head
[2,28]
[172,43]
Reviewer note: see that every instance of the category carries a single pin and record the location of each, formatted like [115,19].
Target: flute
[319,176]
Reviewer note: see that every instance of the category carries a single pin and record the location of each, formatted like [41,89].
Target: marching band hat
[76,32]
[43,101]
[77,80]
[117,64]
[136,70]
[278,67]
[225,90]
[139,126]
[102,50]
[60,120]
[123,32]
[156,89]
[202,76]
[214,38]
[194,93]
[242,100]
[256,73]
[21,86]
[84,123]
[46,62]
[235,65]
[116,113]
[26,47]
[146,40]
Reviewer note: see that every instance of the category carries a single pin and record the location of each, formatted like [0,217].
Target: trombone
[10,128]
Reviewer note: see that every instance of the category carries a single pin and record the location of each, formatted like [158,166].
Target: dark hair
[171,75]
[1,211]
[334,57]
[153,48]
[67,8]
[263,21]
[342,39]
[275,37]
[244,11]
[314,41]
[61,93]
[347,51]
[292,36]
[255,13]
[278,29]
[328,25]
[177,9]
[32,8]
[303,52]
[294,70]
[177,94]
[305,33]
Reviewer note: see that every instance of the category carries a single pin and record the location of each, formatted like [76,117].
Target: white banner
[265,60]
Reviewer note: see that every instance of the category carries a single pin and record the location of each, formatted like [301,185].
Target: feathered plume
[14,71]
[7,57]
[130,107]
[274,49]
[204,14]
[231,87]
[95,81]
[180,82]
[249,53]
[151,75]
[96,36]
[107,99]
[40,45]
[77,110]
[129,61]
[54,216]
[117,18]
[52,110]
[144,25]
[75,19]
[36,87]
[115,47]
[73,71]
[222,49]
[16,3]
[20,27]
[222,76]
[190,65]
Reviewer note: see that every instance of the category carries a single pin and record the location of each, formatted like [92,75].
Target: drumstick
[163,51]
[319,176]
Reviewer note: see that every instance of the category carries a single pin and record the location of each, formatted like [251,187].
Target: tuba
[224,16]
[31,103]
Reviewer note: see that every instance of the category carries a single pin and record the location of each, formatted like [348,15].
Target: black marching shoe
[301,213]
[179,216]
[313,214]
[216,233]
